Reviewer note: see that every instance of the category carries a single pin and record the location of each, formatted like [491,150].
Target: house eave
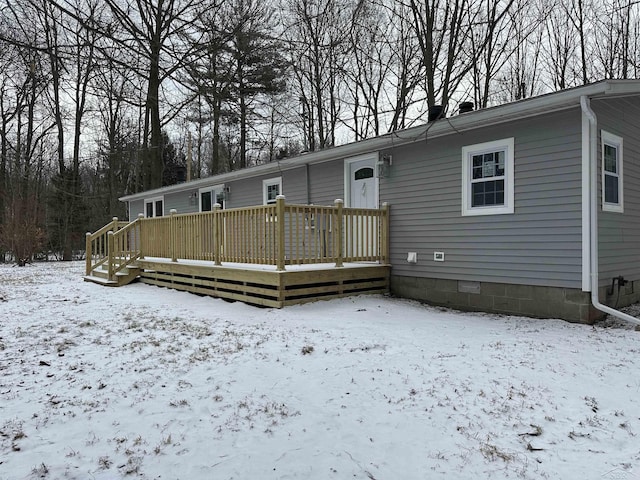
[517,110]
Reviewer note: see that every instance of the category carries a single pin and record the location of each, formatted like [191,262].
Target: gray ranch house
[531,207]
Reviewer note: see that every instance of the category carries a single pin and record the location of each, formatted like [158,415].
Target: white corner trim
[506,144]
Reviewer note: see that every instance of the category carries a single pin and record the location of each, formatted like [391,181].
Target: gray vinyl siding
[324,185]
[135,208]
[539,244]
[294,185]
[327,182]
[181,202]
[619,233]
[247,192]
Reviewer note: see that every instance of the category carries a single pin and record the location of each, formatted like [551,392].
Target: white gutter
[592,161]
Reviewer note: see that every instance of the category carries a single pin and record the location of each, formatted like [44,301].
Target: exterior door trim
[373,157]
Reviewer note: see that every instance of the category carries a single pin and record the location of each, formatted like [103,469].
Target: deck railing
[97,244]
[279,234]
[124,247]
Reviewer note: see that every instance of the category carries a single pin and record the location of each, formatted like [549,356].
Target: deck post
[114,221]
[384,234]
[280,232]
[110,252]
[140,217]
[87,253]
[338,226]
[217,237]
[173,234]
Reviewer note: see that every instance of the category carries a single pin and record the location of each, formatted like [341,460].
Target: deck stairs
[100,275]
[112,254]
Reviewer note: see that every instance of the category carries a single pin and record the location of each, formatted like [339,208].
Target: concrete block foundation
[569,304]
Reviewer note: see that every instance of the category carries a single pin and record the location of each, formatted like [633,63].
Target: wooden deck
[271,256]
[265,286]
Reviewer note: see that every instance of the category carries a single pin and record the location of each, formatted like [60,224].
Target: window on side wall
[612,186]
[154,207]
[271,188]
[487,178]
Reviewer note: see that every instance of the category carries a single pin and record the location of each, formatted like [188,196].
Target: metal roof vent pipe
[436,112]
[465,107]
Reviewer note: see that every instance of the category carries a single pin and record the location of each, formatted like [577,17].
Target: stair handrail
[125,247]
[96,252]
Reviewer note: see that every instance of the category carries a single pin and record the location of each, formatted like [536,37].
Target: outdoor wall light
[384,165]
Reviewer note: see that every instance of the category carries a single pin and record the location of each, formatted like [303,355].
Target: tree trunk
[243,132]
[155,165]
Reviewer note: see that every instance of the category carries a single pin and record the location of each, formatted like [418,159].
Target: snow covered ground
[144,382]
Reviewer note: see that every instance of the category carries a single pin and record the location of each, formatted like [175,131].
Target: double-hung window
[487,178]
[271,188]
[612,191]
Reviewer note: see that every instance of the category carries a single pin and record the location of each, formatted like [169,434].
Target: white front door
[361,239]
[363,192]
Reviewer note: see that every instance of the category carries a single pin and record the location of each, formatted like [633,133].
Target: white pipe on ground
[585,104]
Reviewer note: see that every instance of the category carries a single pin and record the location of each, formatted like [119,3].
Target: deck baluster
[110,249]
[384,233]
[88,254]
[280,231]
[172,235]
[217,237]
[138,234]
[338,226]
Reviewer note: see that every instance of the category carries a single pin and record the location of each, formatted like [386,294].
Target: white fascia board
[620,87]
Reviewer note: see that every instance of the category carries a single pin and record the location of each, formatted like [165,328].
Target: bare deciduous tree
[451,41]
[521,75]
[157,31]
[317,33]
[24,131]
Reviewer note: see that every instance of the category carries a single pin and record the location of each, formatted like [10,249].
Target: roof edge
[519,109]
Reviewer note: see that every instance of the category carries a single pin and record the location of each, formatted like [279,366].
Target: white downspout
[585,104]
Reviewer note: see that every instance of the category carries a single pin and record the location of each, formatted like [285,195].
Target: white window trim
[153,201]
[214,189]
[617,142]
[267,183]
[506,144]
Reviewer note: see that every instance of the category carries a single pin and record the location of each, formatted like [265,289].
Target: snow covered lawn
[144,382]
